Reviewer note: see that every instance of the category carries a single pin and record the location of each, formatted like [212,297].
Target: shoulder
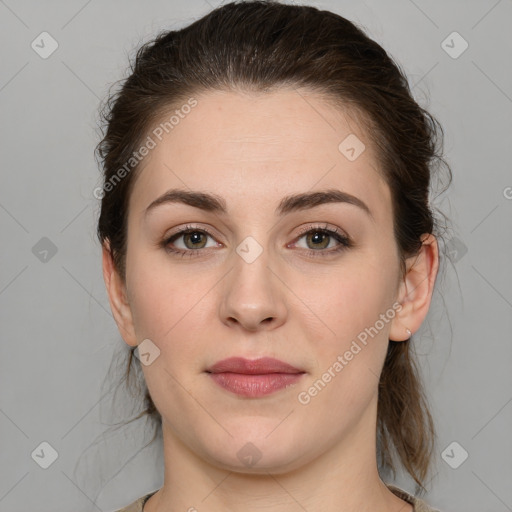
[418,504]
[137,505]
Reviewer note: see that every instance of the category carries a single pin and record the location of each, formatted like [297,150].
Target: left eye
[319,237]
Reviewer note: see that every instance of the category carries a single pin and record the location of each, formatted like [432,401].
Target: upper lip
[252,366]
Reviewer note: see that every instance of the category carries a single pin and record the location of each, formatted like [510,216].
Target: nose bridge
[253,296]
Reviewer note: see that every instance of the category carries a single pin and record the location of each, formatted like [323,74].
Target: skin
[252,150]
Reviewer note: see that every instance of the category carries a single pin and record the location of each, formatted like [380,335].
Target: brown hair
[259,45]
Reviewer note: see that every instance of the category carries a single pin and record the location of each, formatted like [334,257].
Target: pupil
[317,237]
[320,239]
[195,237]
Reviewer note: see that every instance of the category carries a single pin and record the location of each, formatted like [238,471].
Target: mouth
[254,378]
[263,365]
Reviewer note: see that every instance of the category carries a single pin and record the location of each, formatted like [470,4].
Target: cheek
[350,352]
[162,302]
[353,316]
[350,300]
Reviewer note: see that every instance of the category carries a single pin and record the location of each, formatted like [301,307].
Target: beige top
[419,505]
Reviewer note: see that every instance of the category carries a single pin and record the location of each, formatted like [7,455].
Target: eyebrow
[297,202]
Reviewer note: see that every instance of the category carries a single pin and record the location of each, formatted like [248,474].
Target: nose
[253,295]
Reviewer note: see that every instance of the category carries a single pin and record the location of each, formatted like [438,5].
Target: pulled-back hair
[260,46]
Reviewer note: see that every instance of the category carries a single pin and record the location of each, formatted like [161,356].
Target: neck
[343,478]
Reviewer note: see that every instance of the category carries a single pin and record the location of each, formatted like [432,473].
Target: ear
[116,290]
[416,288]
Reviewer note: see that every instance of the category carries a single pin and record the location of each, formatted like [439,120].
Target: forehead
[262,144]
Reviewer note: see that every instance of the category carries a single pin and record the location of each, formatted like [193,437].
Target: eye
[318,239]
[192,241]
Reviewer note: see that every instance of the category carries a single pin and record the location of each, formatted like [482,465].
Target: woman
[268,251]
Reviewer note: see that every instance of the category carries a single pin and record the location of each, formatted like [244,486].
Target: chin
[256,451]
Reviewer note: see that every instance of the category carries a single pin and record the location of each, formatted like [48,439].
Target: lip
[261,366]
[254,378]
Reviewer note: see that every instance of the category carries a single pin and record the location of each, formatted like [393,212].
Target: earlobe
[116,291]
[416,289]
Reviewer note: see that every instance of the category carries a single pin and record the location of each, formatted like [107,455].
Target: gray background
[58,335]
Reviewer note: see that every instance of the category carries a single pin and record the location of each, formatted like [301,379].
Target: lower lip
[254,386]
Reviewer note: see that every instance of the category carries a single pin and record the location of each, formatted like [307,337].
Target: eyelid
[324,227]
[189,228]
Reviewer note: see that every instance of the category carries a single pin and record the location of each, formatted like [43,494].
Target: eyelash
[344,241]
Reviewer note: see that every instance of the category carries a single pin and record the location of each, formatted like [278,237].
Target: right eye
[193,241]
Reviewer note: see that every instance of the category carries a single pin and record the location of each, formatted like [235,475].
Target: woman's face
[260,278]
